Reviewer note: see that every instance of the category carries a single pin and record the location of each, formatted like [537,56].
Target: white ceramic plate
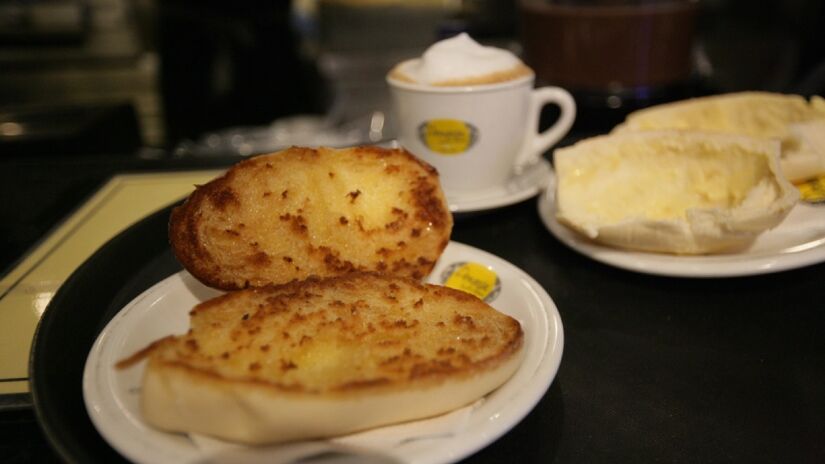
[518,188]
[112,395]
[798,241]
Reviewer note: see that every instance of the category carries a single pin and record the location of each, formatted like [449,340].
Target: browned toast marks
[325,357]
[343,334]
[303,212]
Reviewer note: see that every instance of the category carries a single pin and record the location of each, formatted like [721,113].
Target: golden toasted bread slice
[323,357]
[284,216]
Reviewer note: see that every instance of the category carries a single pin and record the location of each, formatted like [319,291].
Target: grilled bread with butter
[796,122]
[672,191]
[285,216]
[324,357]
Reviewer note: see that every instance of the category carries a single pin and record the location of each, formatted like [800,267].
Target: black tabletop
[655,369]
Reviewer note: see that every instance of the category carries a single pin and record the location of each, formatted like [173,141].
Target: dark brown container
[609,46]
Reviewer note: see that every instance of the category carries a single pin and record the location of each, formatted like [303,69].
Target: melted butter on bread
[325,357]
[672,191]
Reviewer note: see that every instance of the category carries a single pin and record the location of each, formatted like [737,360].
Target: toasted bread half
[324,357]
[307,212]
[674,192]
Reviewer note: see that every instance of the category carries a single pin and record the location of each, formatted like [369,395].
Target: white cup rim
[424,88]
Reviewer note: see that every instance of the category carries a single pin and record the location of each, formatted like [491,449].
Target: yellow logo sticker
[473,278]
[447,136]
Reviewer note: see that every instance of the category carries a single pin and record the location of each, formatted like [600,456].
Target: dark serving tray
[656,369]
[120,270]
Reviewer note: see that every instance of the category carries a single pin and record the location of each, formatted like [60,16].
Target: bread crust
[285,216]
[354,347]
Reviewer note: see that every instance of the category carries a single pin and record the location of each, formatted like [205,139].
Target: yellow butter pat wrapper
[473,278]
[813,190]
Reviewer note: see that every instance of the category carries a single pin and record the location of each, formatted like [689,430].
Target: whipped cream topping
[459,60]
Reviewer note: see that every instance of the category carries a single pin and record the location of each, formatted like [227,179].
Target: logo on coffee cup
[447,136]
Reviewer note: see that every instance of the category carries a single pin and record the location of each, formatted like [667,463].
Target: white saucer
[112,396]
[798,241]
[518,187]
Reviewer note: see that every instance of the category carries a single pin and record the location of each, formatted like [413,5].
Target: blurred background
[89,88]
[177,78]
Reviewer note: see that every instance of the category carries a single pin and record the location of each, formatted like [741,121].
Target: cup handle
[535,144]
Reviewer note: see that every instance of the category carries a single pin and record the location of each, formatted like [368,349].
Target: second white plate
[112,395]
[799,241]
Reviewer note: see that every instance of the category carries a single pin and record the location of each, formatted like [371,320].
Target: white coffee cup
[478,136]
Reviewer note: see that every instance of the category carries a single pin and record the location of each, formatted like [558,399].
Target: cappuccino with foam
[472,112]
[461,61]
